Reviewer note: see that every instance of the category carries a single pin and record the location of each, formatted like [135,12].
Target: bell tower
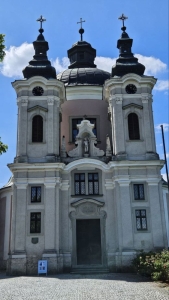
[39,98]
[129,94]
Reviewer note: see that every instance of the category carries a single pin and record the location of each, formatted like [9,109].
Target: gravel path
[81,287]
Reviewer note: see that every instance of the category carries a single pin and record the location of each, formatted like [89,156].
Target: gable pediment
[132,105]
[87,200]
[37,107]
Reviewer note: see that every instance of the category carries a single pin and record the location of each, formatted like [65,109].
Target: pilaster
[20,224]
[117,124]
[148,127]
[158,233]
[50,218]
[22,126]
[126,218]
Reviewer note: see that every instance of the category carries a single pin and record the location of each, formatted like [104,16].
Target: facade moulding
[109,184]
[64,185]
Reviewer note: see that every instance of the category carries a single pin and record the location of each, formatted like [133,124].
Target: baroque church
[86,190]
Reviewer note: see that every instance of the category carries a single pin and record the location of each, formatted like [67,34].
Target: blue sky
[147,24]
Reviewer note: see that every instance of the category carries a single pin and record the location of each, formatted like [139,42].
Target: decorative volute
[85,142]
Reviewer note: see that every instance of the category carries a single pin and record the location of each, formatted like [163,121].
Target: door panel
[88,242]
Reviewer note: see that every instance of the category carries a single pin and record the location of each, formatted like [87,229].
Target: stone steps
[89,270]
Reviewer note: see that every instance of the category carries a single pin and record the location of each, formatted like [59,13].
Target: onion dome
[126,63]
[82,70]
[40,65]
[83,76]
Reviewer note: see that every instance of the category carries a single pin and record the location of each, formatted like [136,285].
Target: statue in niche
[108,146]
[86,145]
[85,142]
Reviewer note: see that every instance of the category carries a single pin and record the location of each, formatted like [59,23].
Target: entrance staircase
[89,270]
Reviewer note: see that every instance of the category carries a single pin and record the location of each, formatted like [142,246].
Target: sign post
[42,267]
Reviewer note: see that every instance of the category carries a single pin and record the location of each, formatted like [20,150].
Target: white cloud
[153,65]
[16,59]
[60,64]
[105,63]
[165,127]
[162,85]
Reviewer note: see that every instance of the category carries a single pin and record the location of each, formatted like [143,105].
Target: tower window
[35,222]
[36,194]
[133,127]
[139,192]
[37,129]
[141,219]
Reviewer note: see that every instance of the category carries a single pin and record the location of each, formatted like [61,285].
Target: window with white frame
[86,183]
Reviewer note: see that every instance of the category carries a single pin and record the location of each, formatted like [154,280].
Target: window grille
[93,183]
[80,184]
[133,127]
[37,129]
[139,192]
[35,222]
[141,219]
[36,194]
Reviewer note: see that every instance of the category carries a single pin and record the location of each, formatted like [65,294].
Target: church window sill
[86,196]
[134,140]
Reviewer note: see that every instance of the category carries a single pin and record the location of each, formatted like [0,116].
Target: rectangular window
[75,122]
[139,192]
[80,184]
[93,183]
[141,219]
[35,194]
[35,222]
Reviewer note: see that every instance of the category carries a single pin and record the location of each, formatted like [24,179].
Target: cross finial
[123,17]
[81,30]
[41,20]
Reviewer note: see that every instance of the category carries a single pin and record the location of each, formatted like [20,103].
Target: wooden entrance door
[88,242]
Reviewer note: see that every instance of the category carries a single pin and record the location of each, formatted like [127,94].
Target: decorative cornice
[109,184]
[23,100]
[50,101]
[64,185]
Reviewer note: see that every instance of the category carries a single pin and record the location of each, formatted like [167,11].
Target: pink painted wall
[90,108]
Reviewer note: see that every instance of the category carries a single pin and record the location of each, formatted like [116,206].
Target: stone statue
[63,147]
[108,147]
[86,145]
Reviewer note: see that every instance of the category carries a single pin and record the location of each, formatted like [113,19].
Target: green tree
[2,47]
[3,147]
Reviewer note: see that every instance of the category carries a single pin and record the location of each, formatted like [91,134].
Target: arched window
[37,129]
[133,127]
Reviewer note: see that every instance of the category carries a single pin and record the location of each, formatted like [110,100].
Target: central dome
[82,70]
[83,76]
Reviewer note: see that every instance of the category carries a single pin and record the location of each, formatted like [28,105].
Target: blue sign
[42,267]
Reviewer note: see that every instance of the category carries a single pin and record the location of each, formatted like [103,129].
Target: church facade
[86,189]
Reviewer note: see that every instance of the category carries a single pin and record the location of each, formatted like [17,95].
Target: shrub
[153,264]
